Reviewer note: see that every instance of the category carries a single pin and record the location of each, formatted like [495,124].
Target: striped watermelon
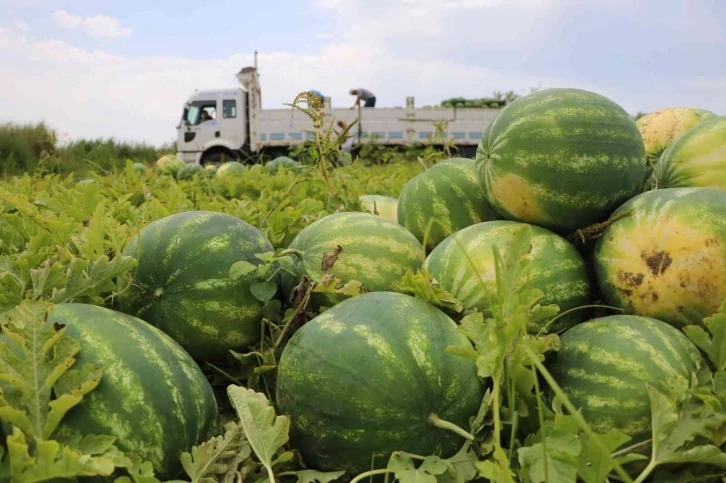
[211,169]
[189,170]
[659,128]
[448,196]
[289,163]
[230,169]
[169,165]
[384,206]
[696,158]
[603,367]
[139,167]
[464,265]
[353,246]
[360,381]
[182,283]
[667,259]
[562,159]
[152,396]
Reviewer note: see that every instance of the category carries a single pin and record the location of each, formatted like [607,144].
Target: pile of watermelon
[627,215]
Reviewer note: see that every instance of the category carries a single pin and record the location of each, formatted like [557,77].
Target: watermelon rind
[361,380]
[562,159]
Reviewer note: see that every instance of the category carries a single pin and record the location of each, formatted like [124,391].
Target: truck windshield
[200,111]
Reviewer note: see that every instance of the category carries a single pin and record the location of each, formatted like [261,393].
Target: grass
[35,147]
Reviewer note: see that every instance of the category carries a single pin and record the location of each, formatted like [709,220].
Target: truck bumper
[189,156]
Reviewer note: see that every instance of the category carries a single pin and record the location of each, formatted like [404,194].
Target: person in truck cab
[363,95]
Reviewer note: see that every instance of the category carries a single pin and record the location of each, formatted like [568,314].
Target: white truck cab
[218,125]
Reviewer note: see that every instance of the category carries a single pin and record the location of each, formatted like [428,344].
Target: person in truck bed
[364,95]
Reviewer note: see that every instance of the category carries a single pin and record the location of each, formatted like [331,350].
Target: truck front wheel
[218,156]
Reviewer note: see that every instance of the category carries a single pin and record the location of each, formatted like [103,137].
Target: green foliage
[31,147]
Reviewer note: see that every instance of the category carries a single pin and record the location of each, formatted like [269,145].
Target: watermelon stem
[370,473]
[437,422]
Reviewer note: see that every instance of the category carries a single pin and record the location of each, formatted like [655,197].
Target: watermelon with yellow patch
[562,159]
[182,283]
[352,246]
[168,165]
[384,206]
[666,256]
[697,158]
[603,366]
[442,200]
[364,378]
[464,265]
[152,397]
[660,128]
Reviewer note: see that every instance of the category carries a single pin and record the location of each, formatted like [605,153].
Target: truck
[219,125]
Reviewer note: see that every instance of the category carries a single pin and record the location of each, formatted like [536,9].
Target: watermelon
[189,170]
[697,158]
[667,258]
[182,283]
[152,396]
[169,165]
[230,169]
[464,265]
[562,159]
[660,128]
[139,167]
[210,169]
[604,364]
[364,247]
[384,206]
[361,380]
[446,196]
[274,165]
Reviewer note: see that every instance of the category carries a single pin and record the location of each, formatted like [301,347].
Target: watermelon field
[550,310]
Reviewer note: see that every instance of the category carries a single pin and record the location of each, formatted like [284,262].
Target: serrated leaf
[36,357]
[265,432]
[207,461]
[263,291]
[593,465]
[555,462]
[90,279]
[420,284]
[51,460]
[406,471]
[312,476]
[714,345]
[240,269]
[497,469]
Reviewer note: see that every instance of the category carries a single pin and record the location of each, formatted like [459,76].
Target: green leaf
[715,345]
[265,431]
[554,460]
[312,476]
[263,291]
[208,461]
[420,284]
[34,360]
[682,431]
[406,472]
[87,280]
[462,466]
[497,469]
[240,269]
[593,465]
[52,460]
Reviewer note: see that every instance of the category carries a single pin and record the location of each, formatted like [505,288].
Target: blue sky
[123,69]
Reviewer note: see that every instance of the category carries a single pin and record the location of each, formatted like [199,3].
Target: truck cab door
[198,125]
[232,121]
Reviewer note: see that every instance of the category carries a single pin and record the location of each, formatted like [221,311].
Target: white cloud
[21,26]
[93,93]
[97,25]
[67,20]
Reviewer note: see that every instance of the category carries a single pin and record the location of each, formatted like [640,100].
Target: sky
[100,69]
